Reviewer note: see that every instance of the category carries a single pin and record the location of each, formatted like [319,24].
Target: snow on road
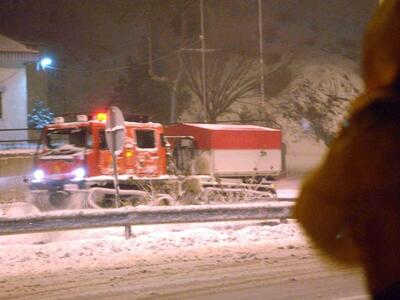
[177,261]
[230,260]
[28,259]
[82,249]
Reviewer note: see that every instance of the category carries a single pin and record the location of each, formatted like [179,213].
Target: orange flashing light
[102,117]
[129,154]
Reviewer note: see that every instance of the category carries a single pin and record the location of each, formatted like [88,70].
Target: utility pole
[150,46]
[260,31]
[150,39]
[203,51]
[203,61]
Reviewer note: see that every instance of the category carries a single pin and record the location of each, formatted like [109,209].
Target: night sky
[91,41]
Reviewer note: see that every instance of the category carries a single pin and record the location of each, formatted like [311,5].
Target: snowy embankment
[86,249]
[36,253]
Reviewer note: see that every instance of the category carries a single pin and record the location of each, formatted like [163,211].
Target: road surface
[292,271]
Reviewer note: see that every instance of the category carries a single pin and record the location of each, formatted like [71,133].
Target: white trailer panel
[239,162]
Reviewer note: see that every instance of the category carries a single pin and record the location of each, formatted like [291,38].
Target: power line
[123,67]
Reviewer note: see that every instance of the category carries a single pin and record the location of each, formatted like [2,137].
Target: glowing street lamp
[44,63]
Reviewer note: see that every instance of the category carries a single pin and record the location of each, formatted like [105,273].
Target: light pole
[203,61]
[260,37]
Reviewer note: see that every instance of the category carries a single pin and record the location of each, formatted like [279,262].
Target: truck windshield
[66,136]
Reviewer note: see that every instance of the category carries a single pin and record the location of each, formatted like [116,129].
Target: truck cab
[76,151]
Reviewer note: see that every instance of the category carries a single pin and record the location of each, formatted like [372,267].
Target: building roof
[15,54]
[9,45]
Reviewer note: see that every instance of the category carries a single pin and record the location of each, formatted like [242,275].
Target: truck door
[105,157]
[96,158]
[147,149]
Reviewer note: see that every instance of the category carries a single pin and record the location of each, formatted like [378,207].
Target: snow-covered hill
[313,105]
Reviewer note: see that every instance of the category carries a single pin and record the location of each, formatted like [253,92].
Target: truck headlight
[79,173]
[39,175]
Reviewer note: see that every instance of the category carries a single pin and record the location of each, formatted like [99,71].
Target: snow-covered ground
[288,187]
[85,249]
[224,260]
[37,252]
[230,260]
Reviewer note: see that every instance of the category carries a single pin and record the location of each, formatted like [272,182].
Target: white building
[14,58]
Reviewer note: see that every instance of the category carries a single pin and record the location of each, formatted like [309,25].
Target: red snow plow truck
[159,165]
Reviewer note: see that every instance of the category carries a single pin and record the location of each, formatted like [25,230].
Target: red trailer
[231,150]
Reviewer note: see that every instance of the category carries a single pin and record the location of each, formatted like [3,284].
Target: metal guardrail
[19,138]
[85,219]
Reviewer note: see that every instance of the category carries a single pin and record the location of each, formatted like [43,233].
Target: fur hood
[381,53]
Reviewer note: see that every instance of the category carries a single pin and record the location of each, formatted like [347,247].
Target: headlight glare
[39,175]
[79,173]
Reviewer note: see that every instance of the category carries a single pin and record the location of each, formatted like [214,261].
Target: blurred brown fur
[350,206]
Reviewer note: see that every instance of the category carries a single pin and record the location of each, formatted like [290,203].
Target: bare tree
[320,107]
[177,21]
[228,79]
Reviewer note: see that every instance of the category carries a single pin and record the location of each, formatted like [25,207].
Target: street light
[44,63]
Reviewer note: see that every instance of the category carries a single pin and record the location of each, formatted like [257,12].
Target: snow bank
[36,253]
[86,249]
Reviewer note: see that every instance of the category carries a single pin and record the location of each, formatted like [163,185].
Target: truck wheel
[163,201]
[106,201]
[253,180]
